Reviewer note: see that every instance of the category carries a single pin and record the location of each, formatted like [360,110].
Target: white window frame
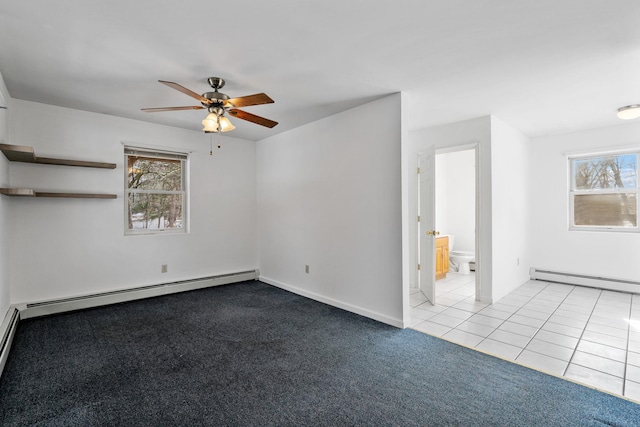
[184,192]
[574,192]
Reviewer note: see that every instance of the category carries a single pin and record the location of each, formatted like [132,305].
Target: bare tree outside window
[604,191]
[155,191]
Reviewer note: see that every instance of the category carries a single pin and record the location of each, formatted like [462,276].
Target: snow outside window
[156,191]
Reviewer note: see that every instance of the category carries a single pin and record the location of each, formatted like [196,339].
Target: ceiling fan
[218,103]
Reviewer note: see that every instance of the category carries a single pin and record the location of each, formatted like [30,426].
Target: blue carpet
[253,355]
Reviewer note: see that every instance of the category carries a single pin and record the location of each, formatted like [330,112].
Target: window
[155,191]
[604,192]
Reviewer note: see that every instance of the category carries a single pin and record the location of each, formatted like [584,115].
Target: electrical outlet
[306,268]
[163,268]
[517,261]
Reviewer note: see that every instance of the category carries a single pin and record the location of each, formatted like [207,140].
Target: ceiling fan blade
[245,101]
[157,110]
[252,118]
[186,91]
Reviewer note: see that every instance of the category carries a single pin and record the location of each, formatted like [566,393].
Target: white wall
[64,247]
[456,197]
[510,163]
[4,206]
[554,247]
[441,195]
[476,131]
[329,196]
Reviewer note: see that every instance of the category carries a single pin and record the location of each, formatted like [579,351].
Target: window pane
[148,173]
[155,211]
[615,210]
[606,172]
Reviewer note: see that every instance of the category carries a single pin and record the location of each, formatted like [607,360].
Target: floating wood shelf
[28,192]
[23,153]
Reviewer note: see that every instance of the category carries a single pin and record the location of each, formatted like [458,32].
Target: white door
[426,162]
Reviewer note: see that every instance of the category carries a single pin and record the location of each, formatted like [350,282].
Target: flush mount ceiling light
[629,112]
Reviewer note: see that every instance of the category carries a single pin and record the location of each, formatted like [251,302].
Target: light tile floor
[589,335]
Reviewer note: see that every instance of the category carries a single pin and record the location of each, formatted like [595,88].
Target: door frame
[478,204]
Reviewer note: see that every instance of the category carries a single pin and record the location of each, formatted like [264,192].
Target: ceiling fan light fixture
[629,112]
[210,123]
[226,125]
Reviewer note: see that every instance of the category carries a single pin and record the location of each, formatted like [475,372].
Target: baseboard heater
[8,330]
[43,308]
[585,280]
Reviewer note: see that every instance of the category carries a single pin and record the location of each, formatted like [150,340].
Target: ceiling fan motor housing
[215,98]
[216,82]
[216,109]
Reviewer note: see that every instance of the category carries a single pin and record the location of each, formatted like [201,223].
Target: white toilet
[460,259]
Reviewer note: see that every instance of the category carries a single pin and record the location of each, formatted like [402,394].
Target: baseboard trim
[7,332]
[18,312]
[398,323]
[619,285]
[44,308]
[23,311]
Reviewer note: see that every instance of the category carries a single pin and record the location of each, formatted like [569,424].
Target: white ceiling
[543,66]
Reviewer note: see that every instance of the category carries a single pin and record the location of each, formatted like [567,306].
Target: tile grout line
[511,315]
[582,334]
[535,297]
[447,306]
[626,353]
[538,329]
[547,321]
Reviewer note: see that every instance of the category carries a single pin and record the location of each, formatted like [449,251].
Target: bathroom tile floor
[588,335]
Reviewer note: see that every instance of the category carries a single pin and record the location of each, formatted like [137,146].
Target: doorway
[448,221]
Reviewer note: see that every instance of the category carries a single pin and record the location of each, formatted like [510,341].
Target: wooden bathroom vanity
[442,257]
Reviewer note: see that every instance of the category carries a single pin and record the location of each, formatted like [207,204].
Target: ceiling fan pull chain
[219,131]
